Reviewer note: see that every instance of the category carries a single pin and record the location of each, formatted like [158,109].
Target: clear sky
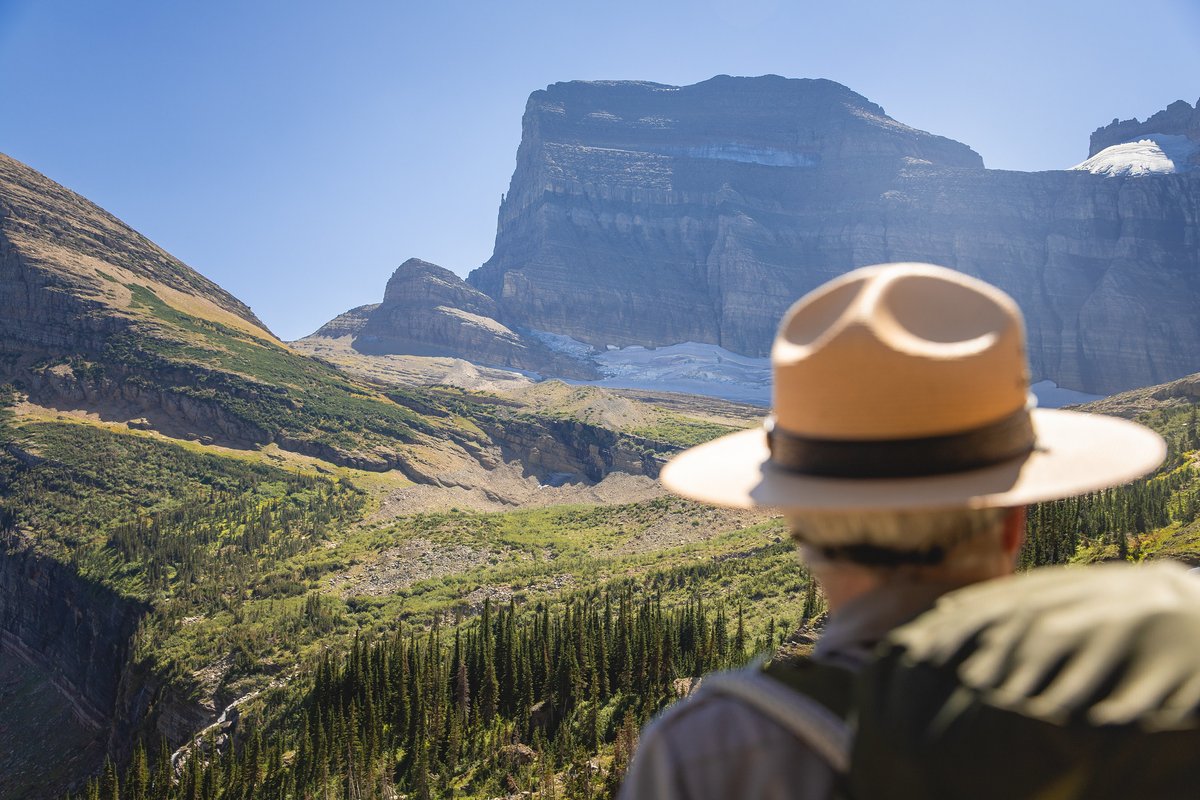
[296,152]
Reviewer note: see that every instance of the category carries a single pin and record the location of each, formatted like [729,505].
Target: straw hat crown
[899,351]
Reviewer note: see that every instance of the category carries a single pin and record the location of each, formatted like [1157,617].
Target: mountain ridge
[609,238]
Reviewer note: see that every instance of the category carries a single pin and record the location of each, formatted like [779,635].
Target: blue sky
[296,152]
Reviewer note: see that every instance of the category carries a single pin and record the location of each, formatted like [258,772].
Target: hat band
[981,447]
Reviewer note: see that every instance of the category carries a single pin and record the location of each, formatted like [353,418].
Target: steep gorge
[77,638]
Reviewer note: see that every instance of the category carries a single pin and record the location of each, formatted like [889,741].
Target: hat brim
[1075,453]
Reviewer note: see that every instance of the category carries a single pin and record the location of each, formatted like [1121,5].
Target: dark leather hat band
[902,458]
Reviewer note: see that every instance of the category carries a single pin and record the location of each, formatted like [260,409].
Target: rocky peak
[348,323]
[653,215]
[427,310]
[1178,118]
[420,284]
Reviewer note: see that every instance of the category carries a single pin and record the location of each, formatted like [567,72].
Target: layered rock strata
[648,214]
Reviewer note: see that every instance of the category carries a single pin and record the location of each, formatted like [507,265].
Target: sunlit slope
[96,317]
[1157,517]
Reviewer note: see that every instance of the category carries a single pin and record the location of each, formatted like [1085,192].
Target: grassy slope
[249,566]
[231,549]
[1180,538]
[127,327]
[253,566]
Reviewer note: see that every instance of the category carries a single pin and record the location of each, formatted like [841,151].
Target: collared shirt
[712,745]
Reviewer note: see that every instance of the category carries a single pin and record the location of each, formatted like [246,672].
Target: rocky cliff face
[648,214]
[429,311]
[558,451]
[349,323]
[78,637]
[1179,118]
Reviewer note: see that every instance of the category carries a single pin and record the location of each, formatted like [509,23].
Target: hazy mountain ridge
[631,222]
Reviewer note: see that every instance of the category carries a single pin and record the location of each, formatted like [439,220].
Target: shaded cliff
[76,637]
[648,214]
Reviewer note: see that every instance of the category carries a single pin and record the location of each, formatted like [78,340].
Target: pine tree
[137,782]
[110,785]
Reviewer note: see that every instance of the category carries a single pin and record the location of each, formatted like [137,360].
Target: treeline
[194,535]
[1112,518]
[545,699]
[160,523]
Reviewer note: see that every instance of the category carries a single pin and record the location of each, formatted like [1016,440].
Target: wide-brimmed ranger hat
[905,387]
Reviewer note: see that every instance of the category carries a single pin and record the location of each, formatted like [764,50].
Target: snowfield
[713,371]
[1155,154]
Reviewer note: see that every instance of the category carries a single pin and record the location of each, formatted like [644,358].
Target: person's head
[903,438]
[945,546]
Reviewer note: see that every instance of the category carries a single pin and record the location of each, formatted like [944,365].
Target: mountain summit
[66,268]
[427,310]
[652,215]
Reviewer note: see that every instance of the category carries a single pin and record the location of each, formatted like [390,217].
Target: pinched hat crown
[899,351]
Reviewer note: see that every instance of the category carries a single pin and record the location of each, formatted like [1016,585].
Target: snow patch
[561,344]
[712,371]
[1155,154]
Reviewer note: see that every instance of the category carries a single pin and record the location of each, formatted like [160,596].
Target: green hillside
[282,574]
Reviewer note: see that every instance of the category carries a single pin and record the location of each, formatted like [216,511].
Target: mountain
[66,267]
[222,560]
[643,214]
[1178,119]
[191,512]
[1166,143]
[652,215]
[429,311]
[99,319]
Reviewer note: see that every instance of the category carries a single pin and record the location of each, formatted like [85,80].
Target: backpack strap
[808,718]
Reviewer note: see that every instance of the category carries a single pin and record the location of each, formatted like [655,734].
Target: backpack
[1059,683]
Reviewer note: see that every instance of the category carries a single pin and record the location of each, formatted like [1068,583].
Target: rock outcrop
[652,215]
[348,323]
[1179,118]
[429,311]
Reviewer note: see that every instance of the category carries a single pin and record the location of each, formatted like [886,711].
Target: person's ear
[1014,530]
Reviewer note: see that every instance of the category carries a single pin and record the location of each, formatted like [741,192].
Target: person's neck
[848,582]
